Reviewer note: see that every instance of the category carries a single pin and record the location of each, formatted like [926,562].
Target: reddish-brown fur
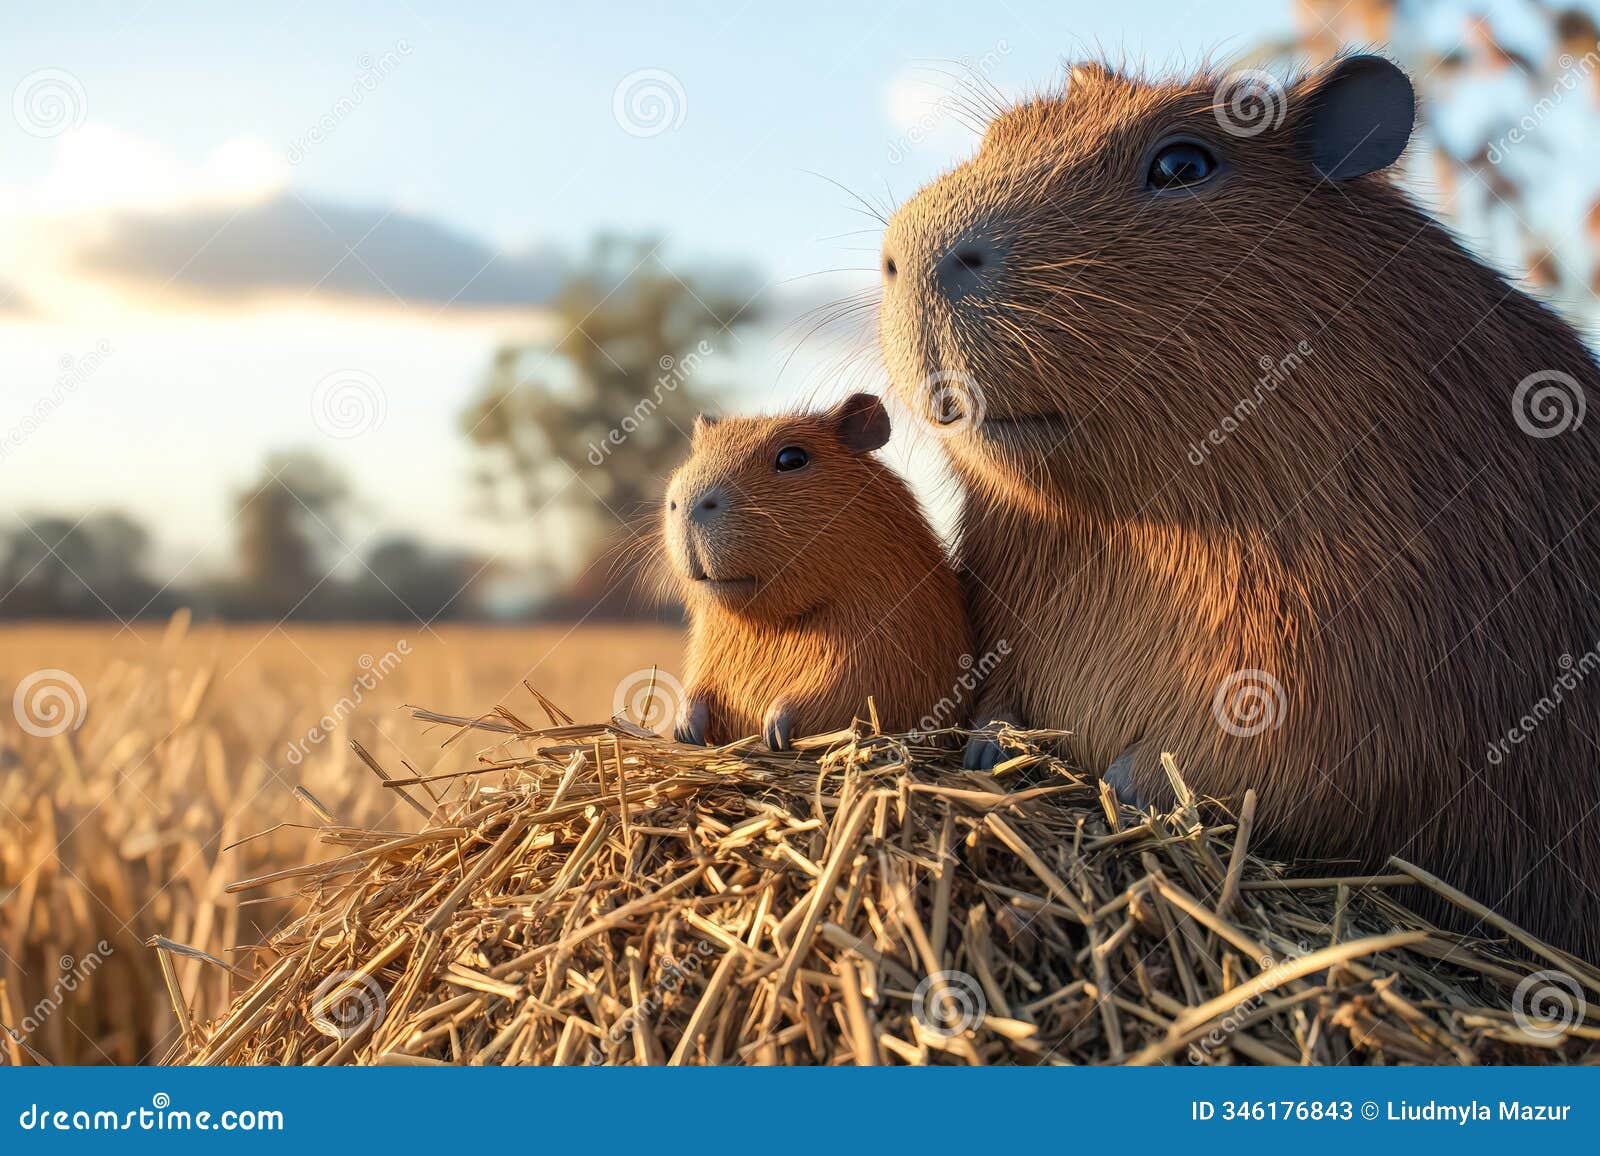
[1378,535]
[852,594]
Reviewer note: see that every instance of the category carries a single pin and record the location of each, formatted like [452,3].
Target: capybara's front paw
[694,719]
[777,726]
[984,748]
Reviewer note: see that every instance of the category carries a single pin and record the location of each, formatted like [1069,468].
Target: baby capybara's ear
[1088,72]
[862,422]
[1355,117]
[702,422]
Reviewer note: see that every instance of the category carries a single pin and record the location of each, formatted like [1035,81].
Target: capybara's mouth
[726,585]
[715,584]
[697,572]
[733,593]
[1039,432]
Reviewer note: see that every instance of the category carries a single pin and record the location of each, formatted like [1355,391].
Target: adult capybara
[811,578]
[1262,468]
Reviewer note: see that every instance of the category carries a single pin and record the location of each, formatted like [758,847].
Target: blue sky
[491,129]
[501,117]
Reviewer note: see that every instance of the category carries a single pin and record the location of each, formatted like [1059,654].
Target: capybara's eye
[1180,164]
[791,458]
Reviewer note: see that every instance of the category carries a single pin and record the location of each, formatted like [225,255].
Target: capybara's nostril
[962,269]
[706,507]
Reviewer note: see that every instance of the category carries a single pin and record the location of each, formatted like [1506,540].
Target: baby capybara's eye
[791,458]
[1180,164]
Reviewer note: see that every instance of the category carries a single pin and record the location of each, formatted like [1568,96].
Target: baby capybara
[811,578]
[1265,470]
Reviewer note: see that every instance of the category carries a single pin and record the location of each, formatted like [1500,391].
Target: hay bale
[596,894]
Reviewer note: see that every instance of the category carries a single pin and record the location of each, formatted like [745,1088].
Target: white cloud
[98,172]
[935,111]
[120,225]
[913,95]
[99,168]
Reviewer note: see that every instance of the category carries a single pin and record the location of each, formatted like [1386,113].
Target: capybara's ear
[1085,72]
[1356,117]
[702,422]
[862,422]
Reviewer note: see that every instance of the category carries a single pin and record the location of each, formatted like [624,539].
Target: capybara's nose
[707,505]
[965,267]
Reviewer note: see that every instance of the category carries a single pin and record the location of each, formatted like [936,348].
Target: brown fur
[1379,535]
[853,595]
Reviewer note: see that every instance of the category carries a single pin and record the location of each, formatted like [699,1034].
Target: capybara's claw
[984,748]
[775,728]
[982,753]
[1120,775]
[692,722]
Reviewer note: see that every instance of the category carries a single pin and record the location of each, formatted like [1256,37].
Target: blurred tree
[286,521]
[404,578]
[1509,102]
[582,430]
[291,540]
[60,567]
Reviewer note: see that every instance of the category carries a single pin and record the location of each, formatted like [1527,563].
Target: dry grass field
[177,741]
[142,773]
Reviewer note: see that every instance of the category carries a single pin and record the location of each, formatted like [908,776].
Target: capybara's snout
[944,265]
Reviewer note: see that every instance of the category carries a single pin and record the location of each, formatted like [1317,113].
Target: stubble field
[133,763]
